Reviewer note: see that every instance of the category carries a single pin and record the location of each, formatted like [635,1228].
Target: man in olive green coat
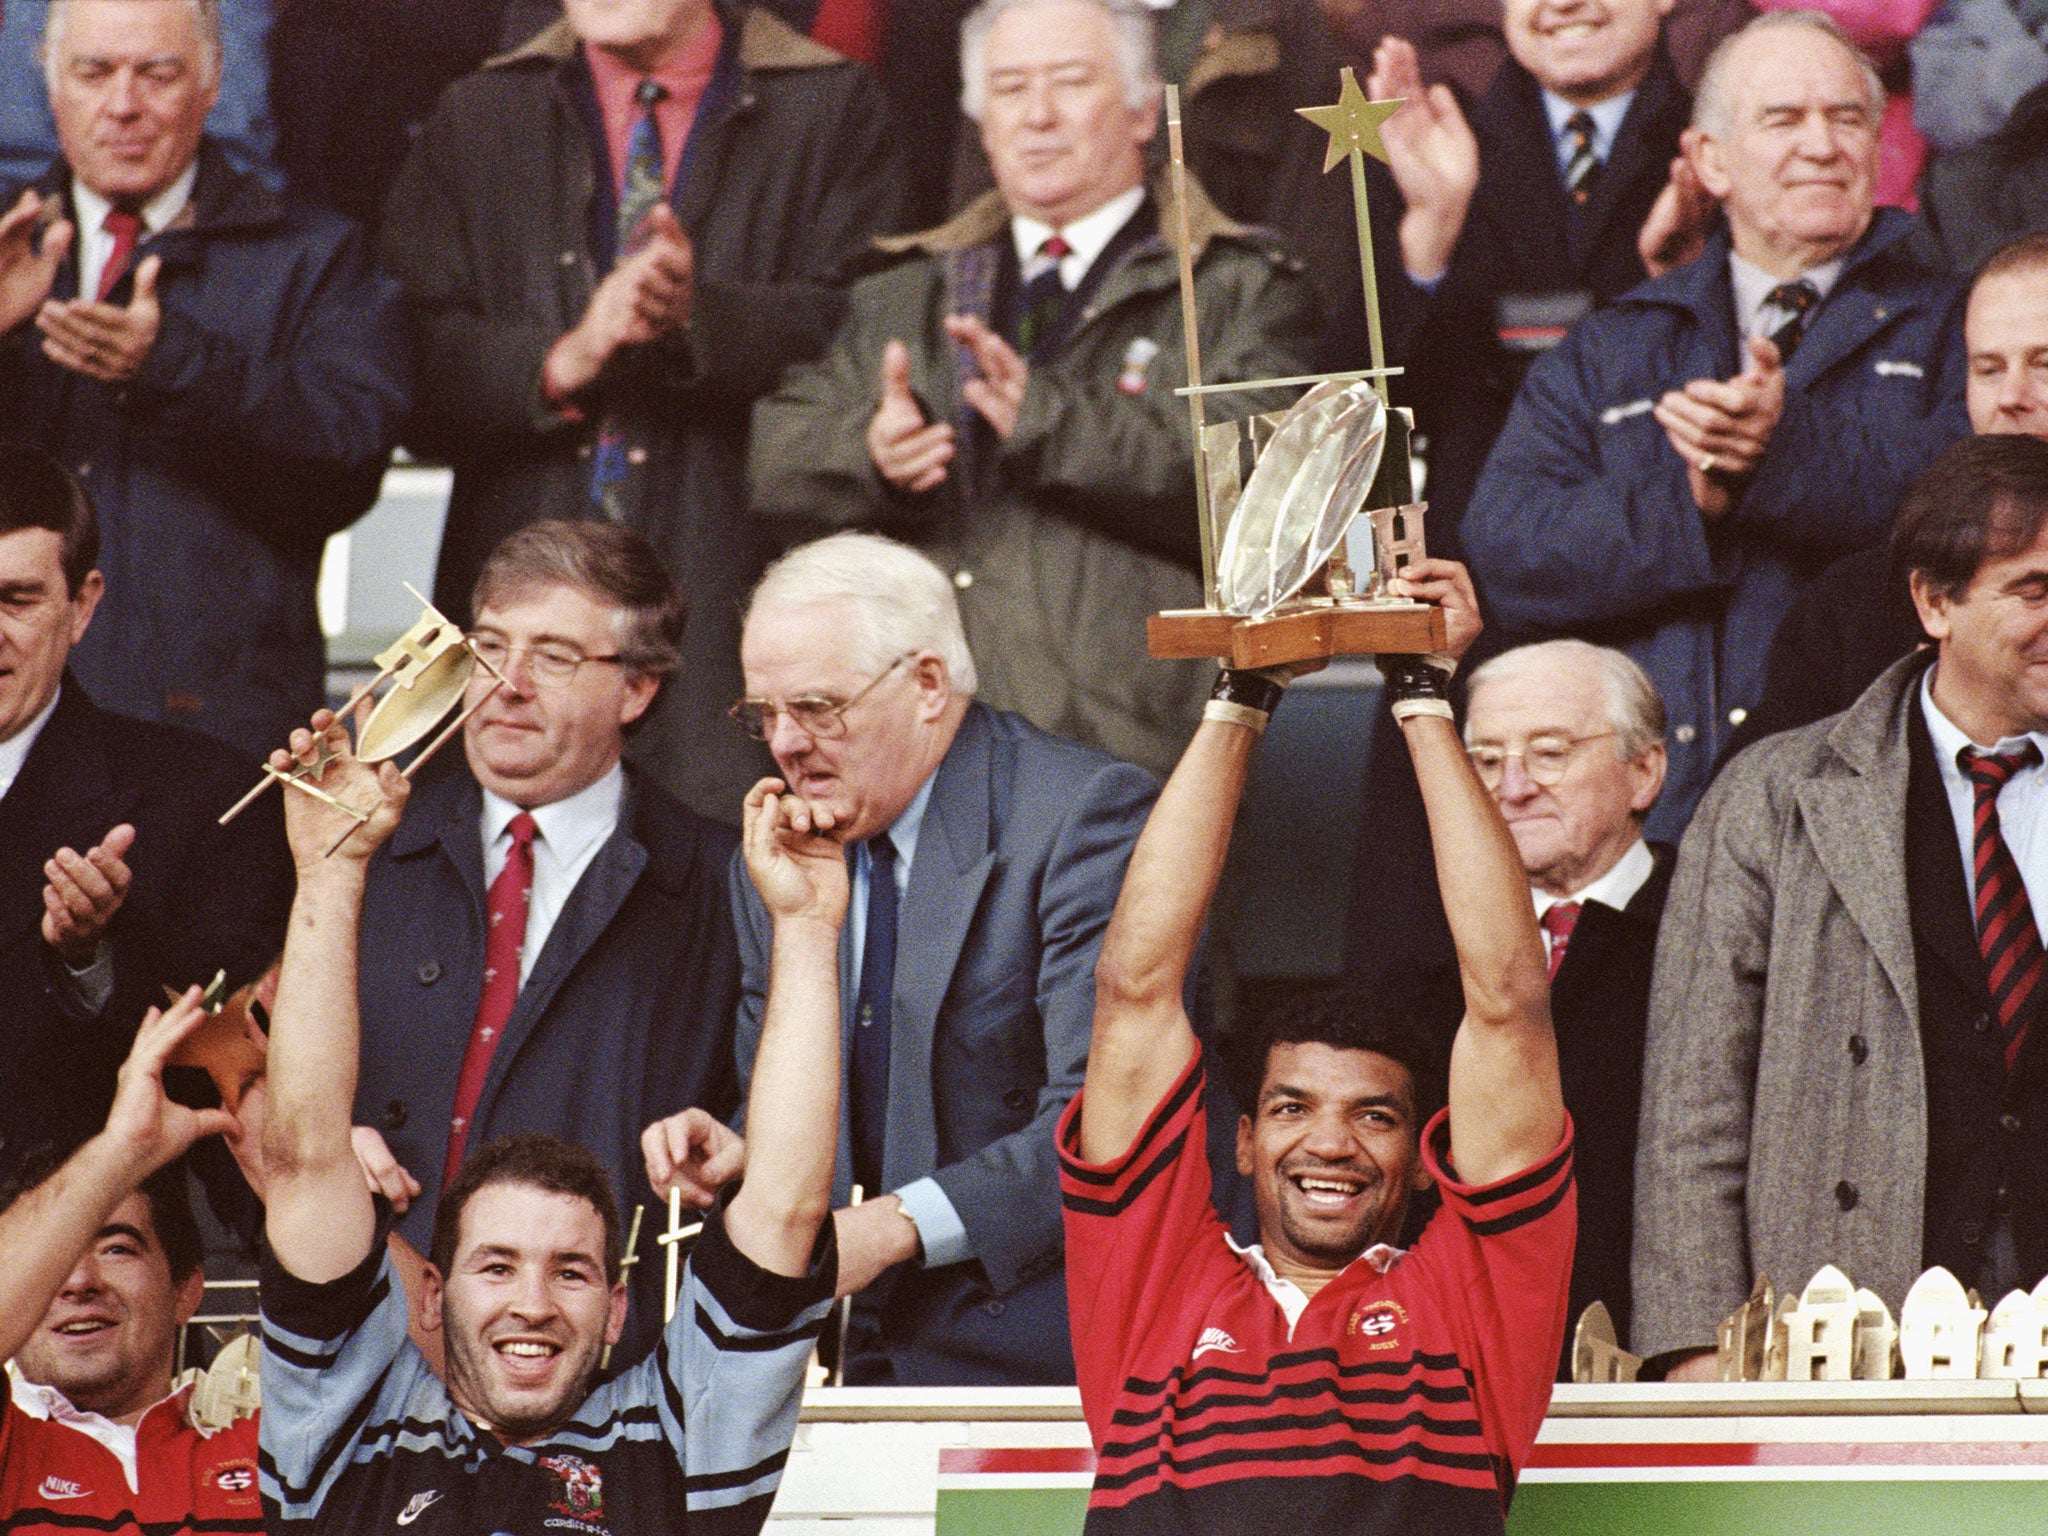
[1002,394]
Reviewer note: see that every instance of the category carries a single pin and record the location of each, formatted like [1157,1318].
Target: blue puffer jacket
[259,424]
[1583,523]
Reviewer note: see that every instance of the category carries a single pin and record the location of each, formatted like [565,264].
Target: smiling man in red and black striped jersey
[1322,1380]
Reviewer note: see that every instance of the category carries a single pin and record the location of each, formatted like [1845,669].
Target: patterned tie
[510,895]
[2005,918]
[1559,919]
[1582,166]
[126,228]
[1795,300]
[643,188]
[871,1018]
[1044,296]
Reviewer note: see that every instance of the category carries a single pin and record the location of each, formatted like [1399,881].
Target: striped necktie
[1043,297]
[1582,165]
[644,188]
[2006,933]
[1796,302]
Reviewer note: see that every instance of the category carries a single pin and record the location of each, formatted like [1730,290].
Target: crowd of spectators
[811,411]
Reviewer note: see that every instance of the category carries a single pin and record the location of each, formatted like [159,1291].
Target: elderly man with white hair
[1569,737]
[1690,457]
[1002,393]
[986,857]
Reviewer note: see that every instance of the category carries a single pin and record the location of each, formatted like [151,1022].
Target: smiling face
[1795,164]
[131,82]
[538,739]
[895,734]
[1991,674]
[1572,832]
[1062,138]
[106,1341]
[525,1308]
[1587,51]
[40,621]
[1332,1151]
[2006,334]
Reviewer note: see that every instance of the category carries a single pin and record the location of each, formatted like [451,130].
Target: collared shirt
[686,78]
[1606,115]
[2022,803]
[1086,237]
[15,750]
[939,1227]
[1291,1298]
[1753,285]
[1616,889]
[567,837]
[96,246]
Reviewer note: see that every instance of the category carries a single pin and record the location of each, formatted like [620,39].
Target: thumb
[215,1122]
[57,242]
[145,281]
[896,372]
[1763,357]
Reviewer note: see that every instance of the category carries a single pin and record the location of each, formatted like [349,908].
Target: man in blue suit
[986,857]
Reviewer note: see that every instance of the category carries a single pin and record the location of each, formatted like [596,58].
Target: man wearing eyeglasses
[1569,737]
[547,942]
[986,856]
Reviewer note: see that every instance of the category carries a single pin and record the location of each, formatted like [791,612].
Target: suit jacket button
[1845,1195]
[1981,1023]
[1016,1099]
[429,972]
[993,1308]
[2009,1122]
[1859,1049]
[395,1115]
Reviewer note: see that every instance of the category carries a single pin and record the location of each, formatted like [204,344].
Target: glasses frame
[1571,746]
[765,710]
[538,666]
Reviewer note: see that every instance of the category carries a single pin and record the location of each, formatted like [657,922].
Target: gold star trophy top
[1276,584]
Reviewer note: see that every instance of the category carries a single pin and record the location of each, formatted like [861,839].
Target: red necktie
[851,27]
[1559,919]
[510,894]
[126,228]
[2006,933]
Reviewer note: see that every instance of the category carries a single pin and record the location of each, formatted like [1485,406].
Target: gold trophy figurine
[1276,584]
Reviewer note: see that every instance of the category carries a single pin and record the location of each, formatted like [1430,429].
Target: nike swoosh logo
[419,1506]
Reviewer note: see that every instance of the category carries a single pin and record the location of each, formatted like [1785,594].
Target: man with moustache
[1389,1391]
[1691,456]
[547,941]
[525,1285]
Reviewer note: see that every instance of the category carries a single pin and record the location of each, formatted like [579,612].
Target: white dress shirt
[566,838]
[1606,115]
[15,749]
[2021,804]
[1086,237]
[96,246]
[1616,889]
[1752,284]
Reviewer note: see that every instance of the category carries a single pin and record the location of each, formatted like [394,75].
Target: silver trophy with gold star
[1277,494]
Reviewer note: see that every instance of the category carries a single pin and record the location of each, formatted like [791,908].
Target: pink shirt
[686,76]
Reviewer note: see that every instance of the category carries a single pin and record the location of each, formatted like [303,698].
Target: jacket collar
[1869,736]
[224,197]
[766,42]
[1701,285]
[986,218]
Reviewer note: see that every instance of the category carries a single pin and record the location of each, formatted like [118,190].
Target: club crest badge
[1377,1322]
[582,1491]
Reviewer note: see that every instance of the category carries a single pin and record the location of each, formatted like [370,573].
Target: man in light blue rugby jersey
[359,1433]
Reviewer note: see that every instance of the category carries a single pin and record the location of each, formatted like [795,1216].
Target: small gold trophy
[1275,581]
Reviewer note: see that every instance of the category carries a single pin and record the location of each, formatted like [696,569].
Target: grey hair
[1129,21]
[1713,106]
[902,602]
[205,12]
[1635,710]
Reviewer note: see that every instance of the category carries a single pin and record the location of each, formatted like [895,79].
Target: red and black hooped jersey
[56,1479]
[1402,1400]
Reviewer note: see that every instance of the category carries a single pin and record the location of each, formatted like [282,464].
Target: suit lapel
[1851,820]
[1523,171]
[1842,325]
[955,855]
[64,796]
[1628,159]
[1934,867]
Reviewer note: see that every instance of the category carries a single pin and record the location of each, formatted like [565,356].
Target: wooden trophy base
[1298,634]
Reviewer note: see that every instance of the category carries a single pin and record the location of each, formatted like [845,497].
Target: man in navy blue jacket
[222,370]
[1676,471]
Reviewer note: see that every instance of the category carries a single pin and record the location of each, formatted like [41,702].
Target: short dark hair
[36,491]
[550,1163]
[166,1191]
[607,560]
[1985,497]
[2025,254]
[1401,1023]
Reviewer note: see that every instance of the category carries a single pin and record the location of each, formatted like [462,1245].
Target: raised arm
[45,1232]
[319,1215]
[1507,1108]
[793,1102]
